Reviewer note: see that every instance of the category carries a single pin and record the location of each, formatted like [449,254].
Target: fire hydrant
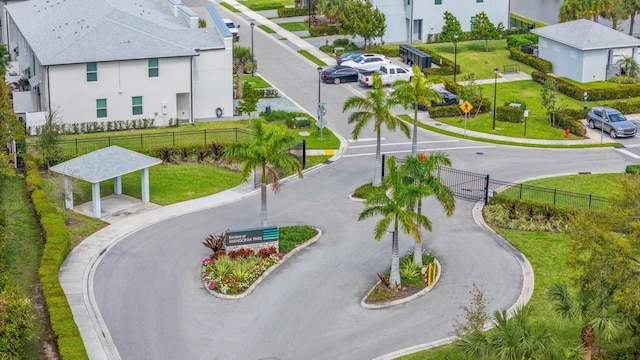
[566,133]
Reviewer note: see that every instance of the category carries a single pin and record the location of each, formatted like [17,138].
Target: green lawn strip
[295,26]
[22,254]
[438,130]
[594,184]
[266,29]
[259,5]
[255,80]
[292,236]
[229,7]
[316,159]
[312,57]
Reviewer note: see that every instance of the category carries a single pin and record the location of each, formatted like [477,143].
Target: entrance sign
[251,236]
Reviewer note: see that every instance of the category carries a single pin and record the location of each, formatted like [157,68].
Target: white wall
[594,65]
[118,81]
[569,62]
[212,83]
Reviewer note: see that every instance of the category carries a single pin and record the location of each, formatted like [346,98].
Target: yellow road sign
[466,106]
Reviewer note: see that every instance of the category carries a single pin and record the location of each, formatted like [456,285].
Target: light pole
[585,100]
[495,92]
[455,55]
[309,19]
[319,77]
[321,109]
[253,60]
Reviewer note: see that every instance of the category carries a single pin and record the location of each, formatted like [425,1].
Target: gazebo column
[634,53]
[68,192]
[145,185]
[117,185]
[95,197]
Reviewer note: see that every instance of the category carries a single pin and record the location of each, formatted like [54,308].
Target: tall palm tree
[597,309]
[265,151]
[414,92]
[241,56]
[420,173]
[375,106]
[394,201]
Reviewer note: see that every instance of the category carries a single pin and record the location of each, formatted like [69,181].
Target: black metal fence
[480,187]
[168,139]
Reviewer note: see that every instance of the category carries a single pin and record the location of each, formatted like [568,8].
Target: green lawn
[259,5]
[229,7]
[312,57]
[295,26]
[256,81]
[594,184]
[267,29]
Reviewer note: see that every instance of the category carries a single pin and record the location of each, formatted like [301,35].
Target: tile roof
[584,34]
[77,31]
[105,164]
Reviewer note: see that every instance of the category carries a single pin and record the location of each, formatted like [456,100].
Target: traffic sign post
[466,107]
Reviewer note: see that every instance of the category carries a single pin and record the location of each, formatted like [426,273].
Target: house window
[136,103]
[556,48]
[473,23]
[153,67]
[92,71]
[438,2]
[101,108]
[573,54]
[479,1]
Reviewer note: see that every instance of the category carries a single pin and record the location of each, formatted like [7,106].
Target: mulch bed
[403,292]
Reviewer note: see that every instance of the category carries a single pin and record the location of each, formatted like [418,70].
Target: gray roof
[105,164]
[584,34]
[78,31]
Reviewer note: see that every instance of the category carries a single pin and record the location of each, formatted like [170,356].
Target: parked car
[610,121]
[232,29]
[447,99]
[367,62]
[339,74]
[348,56]
[388,74]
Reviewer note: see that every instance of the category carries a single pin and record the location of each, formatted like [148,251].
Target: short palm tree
[596,309]
[375,106]
[394,201]
[420,172]
[241,56]
[414,92]
[630,66]
[265,151]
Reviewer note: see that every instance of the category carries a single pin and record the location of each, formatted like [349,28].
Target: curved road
[148,290]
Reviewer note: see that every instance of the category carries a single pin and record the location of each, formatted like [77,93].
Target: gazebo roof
[584,34]
[105,164]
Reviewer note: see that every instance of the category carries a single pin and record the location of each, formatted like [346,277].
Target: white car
[369,62]
[232,29]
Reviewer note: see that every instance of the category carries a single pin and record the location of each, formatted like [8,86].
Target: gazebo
[104,164]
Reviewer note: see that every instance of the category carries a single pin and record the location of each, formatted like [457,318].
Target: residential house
[428,16]
[119,60]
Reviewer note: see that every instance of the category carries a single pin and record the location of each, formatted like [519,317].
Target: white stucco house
[582,50]
[118,60]
[428,16]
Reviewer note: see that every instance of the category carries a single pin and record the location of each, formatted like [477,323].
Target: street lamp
[309,25]
[455,55]
[253,60]
[319,78]
[585,100]
[495,92]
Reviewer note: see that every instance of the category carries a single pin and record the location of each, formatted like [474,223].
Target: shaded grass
[259,5]
[316,159]
[266,29]
[255,80]
[312,57]
[22,254]
[595,184]
[229,7]
[295,26]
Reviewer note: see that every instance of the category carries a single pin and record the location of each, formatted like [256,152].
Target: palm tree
[630,66]
[394,201]
[420,173]
[414,92]
[376,106]
[267,152]
[512,338]
[597,309]
[241,56]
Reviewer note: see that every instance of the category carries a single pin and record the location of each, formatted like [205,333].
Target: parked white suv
[369,62]
[232,29]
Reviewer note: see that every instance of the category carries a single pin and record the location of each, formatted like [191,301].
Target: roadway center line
[628,153]
[402,143]
[437,149]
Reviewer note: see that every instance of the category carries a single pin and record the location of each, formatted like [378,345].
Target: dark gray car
[610,121]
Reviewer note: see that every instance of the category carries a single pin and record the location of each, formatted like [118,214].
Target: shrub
[341,42]
[632,169]
[444,111]
[525,215]
[509,114]
[317,31]
[576,92]
[241,253]
[280,115]
[266,252]
[298,123]
[533,61]
[516,41]
[14,323]
[568,119]
[623,80]
[363,191]
[292,236]
[291,12]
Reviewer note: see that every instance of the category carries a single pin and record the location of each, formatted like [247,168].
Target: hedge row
[632,169]
[290,12]
[576,92]
[519,208]
[316,31]
[516,41]
[57,246]
[483,103]
[533,61]
[509,114]
[570,119]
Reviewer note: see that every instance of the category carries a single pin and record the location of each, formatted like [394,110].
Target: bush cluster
[525,215]
[533,61]
[98,126]
[632,169]
[57,246]
[284,12]
[516,41]
[569,119]
[200,153]
[509,114]
[316,31]
[576,92]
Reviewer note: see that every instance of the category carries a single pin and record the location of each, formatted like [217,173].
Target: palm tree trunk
[588,337]
[414,141]
[239,72]
[263,197]
[377,169]
[394,277]
[632,20]
[417,248]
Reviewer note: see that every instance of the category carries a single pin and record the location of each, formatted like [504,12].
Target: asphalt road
[150,296]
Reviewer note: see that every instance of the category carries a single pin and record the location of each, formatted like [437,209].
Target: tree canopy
[484,29]
[450,28]
[362,19]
